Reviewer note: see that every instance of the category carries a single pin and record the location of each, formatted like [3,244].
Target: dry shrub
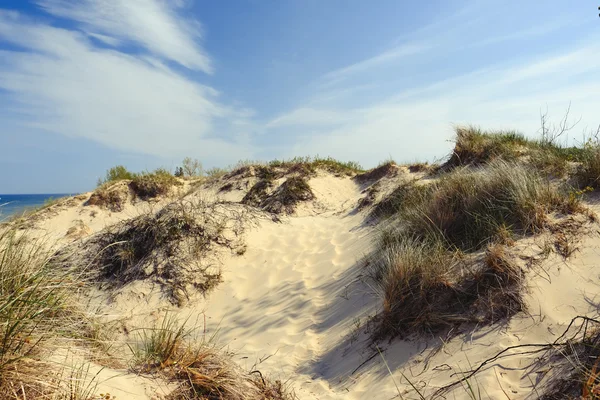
[291,192]
[575,373]
[111,197]
[151,185]
[388,169]
[427,288]
[201,371]
[170,247]
[283,199]
[258,193]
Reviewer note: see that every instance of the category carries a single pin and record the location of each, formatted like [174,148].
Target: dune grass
[199,369]
[474,146]
[36,315]
[428,264]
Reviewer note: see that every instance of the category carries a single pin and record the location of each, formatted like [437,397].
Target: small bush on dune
[474,146]
[151,185]
[386,169]
[170,247]
[283,199]
[115,174]
[291,192]
[406,195]
[110,197]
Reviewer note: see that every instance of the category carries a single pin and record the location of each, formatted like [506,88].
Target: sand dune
[296,304]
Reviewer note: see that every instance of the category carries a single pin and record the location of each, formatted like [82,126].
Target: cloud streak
[62,82]
[149,23]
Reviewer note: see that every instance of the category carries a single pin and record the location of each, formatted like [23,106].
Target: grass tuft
[201,371]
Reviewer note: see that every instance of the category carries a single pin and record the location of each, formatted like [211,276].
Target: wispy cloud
[393,55]
[417,123]
[63,83]
[152,24]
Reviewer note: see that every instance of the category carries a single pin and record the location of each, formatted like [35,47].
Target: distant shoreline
[13,204]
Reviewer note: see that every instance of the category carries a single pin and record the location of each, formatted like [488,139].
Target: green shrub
[151,185]
[116,174]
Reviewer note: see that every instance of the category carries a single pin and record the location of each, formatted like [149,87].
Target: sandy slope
[294,305]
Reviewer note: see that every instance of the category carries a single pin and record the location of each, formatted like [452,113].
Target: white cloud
[417,124]
[153,24]
[64,84]
[396,54]
[307,117]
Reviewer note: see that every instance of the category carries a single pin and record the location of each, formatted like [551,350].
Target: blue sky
[88,84]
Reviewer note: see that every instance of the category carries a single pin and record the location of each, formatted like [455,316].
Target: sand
[295,305]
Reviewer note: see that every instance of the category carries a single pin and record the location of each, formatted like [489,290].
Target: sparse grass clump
[406,195]
[386,169]
[476,147]
[112,197]
[291,192]
[169,247]
[427,287]
[201,370]
[281,200]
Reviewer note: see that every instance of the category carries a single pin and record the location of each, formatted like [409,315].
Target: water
[11,204]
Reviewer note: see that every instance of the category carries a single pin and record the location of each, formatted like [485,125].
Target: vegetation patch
[291,192]
[388,169]
[37,315]
[468,208]
[170,247]
[111,197]
[428,264]
[427,288]
[281,200]
[419,167]
[115,174]
[201,371]
[150,185]
[406,195]
[474,146]
[258,193]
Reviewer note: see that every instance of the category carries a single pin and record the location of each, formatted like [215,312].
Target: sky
[89,84]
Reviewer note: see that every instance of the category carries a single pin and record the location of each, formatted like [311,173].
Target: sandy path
[292,296]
